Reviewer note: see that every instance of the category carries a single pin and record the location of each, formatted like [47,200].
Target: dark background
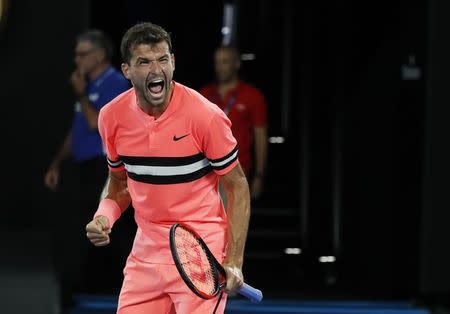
[352,179]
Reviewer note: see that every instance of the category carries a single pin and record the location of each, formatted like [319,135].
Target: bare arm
[238,216]
[260,146]
[117,199]
[105,189]
[51,178]
[89,112]
[260,134]
[116,189]
[64,151]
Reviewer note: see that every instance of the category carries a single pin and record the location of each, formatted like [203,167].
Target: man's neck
[98,71]
[157,111]
[225,87]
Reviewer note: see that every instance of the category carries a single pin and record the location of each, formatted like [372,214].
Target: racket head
[196,264]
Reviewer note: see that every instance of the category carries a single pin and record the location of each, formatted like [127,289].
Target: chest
[169,138]
[236,106]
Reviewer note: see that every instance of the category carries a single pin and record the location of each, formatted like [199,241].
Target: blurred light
[229,14]
[327,259]
[411,71]
[276,139]
[225,30]
[293,250]
[248,56]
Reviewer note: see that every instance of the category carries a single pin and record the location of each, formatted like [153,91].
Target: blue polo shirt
[86,143]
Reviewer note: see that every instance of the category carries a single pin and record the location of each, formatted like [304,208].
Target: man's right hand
[51,178]
[98,231]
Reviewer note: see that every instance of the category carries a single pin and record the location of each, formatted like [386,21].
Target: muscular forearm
[115,197]
[89,112]
[104,192]
[238,213]
[260,150]
[116,190]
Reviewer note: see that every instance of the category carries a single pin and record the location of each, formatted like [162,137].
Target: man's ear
[173,61]
[125,67]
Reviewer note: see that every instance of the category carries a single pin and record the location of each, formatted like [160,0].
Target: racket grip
[251,293]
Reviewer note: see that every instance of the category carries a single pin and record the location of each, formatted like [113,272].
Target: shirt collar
[171,107]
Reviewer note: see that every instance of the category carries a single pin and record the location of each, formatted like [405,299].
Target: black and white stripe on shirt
[172,170]
[114,163]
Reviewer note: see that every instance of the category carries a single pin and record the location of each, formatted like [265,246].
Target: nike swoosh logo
[175,138]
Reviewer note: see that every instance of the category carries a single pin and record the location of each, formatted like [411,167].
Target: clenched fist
[235,279]
[98,231]
[51,178]
[78,82]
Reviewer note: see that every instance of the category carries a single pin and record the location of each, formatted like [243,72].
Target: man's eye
[164,60]
[143,62]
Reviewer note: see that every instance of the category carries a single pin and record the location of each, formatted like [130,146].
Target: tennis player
[167,148]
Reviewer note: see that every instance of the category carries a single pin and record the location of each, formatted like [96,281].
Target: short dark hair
[143,33]
[98,39]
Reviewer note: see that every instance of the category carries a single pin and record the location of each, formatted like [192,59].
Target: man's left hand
[235,279]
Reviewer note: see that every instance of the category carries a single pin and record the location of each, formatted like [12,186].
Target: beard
[150,99]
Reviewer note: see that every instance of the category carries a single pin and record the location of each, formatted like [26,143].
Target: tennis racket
[198,267]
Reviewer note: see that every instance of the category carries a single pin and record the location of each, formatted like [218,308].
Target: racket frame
[216,268]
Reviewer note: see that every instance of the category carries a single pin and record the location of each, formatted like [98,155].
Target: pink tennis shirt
[173,166]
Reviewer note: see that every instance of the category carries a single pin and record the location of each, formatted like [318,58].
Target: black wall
[36,48]
[435,258]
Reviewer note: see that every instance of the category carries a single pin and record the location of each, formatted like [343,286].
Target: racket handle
[251,293]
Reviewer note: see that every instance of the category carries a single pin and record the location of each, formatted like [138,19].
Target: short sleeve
[111,89]
[106,132]
[117,88]
[259,110]
[219,144]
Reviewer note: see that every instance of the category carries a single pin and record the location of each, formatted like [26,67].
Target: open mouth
[156,86]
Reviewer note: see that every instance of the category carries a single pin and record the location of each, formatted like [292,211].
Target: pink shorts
[158,288]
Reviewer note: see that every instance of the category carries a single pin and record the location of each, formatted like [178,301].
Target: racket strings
[195,262]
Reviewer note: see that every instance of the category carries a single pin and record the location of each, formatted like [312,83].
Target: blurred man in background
[245,106]
[94,83]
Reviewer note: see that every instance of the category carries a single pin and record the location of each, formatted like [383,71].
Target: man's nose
[155,66]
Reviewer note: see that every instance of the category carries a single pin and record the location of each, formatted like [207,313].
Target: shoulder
[196,104]
[250,89]
[204,116]
[117,105]
[200,112]
[118,77]
[208,89]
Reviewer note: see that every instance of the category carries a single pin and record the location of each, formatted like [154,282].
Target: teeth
[156,81]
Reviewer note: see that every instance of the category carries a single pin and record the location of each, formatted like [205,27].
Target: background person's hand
[78,82]
[98,230]
[51,178]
